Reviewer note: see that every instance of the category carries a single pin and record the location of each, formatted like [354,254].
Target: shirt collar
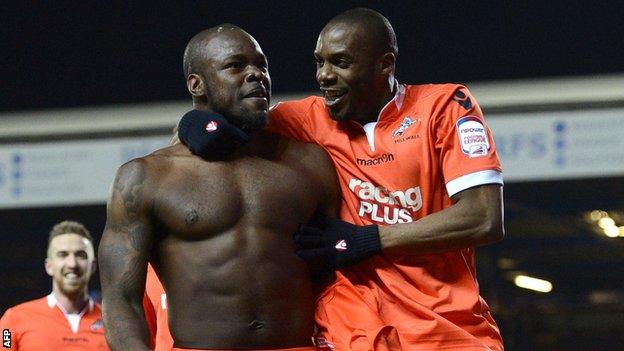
[51,299]
[398,98]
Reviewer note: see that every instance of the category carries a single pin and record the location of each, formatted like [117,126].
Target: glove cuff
[367,240]
[183,129]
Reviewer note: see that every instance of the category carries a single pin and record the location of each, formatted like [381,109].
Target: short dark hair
[377,27]
[69,227]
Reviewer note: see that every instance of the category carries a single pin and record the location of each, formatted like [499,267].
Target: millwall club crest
[407,122]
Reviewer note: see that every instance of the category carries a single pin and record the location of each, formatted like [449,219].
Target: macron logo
[211,126]
[341,245]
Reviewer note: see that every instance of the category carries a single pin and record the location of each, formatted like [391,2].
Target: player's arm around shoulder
[324,172]
[123,255]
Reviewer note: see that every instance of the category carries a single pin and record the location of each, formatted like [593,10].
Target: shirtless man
[218,233]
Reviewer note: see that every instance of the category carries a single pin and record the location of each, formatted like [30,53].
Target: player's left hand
[338,243]
[209,134]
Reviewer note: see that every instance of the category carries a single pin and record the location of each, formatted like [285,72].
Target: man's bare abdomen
[227,259]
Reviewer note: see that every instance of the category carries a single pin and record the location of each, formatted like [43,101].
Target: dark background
[69,53]
[63,54]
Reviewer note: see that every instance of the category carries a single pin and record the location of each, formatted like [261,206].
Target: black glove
[339,244]
[209,135]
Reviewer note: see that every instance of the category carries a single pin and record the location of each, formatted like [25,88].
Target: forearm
[474,220]
[123,254]
[126,327]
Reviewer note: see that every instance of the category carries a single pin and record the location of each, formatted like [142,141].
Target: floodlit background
[89,85]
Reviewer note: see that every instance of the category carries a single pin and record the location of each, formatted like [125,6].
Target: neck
[386,95]
[200,105]
[71,304]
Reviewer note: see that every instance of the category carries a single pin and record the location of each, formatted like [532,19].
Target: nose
[325,75]
[254,74]
[71,261]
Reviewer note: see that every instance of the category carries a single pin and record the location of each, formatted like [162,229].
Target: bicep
[127,238]
[484,202]
[481,196]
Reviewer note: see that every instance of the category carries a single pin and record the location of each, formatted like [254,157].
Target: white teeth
[332,95]
[71,275]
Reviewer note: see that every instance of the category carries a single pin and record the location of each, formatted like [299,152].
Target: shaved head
[377,30]
[194,53]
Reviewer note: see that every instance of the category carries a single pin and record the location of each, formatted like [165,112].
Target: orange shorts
[361,318]
[306,348]
[348,317]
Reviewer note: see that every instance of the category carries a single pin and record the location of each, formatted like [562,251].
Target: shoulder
[152,167]
[36,306]
[290,149]
[310,150]
[301,105]
[312,157]
[433,91]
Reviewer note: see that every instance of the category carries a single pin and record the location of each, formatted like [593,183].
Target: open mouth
[71,276]
[333,96]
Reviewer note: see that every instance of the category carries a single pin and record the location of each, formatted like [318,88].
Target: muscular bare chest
[208,199]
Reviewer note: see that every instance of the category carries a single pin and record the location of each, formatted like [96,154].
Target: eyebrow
[67,251]
[336,53]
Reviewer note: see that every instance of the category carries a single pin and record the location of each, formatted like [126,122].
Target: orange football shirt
[429,143]
[41,325]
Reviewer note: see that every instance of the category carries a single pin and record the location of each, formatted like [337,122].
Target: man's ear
[387,63]
[48,267]
[195,84]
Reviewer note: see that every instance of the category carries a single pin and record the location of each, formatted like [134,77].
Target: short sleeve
[464,143]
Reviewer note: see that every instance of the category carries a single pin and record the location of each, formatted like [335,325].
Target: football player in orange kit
[66,319]
[421,184]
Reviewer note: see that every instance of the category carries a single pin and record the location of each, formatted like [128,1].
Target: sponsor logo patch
[472,136]
[212,126]
[375,161]
[386,206]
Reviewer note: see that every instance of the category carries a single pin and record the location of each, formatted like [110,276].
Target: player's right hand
[339,243]
[209,135]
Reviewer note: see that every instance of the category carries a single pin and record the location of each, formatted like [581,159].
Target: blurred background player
[218,233]
[67,318]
